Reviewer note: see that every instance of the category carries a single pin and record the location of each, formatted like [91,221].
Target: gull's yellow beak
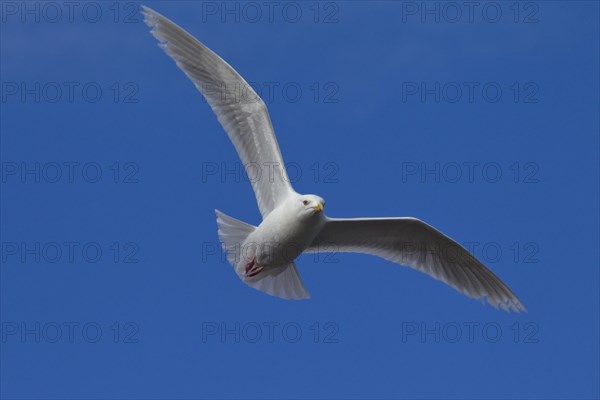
[319,207]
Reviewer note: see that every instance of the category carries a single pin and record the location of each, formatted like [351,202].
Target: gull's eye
[305,202]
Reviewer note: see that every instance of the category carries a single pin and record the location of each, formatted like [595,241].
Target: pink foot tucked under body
[252,268]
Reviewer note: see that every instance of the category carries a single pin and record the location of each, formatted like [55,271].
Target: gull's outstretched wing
[241,112]
[411,242]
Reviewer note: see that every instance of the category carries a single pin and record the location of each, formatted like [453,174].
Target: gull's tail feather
[232,234]
[283,282]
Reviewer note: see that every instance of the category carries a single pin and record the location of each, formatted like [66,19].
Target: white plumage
[263,256]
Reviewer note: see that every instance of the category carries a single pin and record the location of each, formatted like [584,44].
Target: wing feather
[241,112]
[411,242]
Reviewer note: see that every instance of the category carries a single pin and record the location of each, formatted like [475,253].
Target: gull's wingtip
[521,308]
[515,306]
[147,10]
[508,305]
[150,16]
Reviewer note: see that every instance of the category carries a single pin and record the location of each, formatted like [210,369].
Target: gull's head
[309,205]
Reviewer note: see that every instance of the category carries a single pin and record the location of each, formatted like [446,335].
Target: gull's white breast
[282,237]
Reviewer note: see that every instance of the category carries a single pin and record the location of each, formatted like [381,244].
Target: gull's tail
[283,282]
[232,234]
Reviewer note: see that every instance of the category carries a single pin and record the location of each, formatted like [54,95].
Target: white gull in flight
[263,256]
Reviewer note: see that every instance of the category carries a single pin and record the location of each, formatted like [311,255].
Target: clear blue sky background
[383,330]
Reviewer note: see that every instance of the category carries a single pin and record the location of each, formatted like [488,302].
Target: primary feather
[411,242]
[241,112]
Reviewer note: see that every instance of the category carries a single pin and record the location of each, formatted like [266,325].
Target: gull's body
[263,257]
[283,235]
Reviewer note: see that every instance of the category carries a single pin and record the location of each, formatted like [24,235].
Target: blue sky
[482,122]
